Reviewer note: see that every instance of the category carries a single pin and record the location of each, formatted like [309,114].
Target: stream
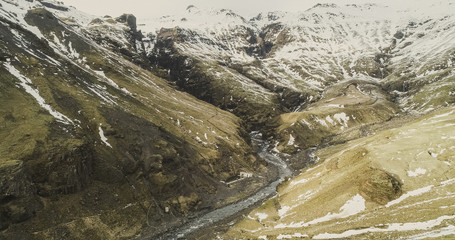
[231,209]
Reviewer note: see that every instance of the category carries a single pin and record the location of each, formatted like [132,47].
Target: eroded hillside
[94,146]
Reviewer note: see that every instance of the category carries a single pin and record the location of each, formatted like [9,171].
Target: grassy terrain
[396,183]
[137,154]
[346,108]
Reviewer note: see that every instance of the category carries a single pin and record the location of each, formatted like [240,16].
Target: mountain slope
[336,74]
[94,145]
[282,62]
[398,184]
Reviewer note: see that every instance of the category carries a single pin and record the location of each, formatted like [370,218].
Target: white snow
[448,182]
[411,226]
[329,120]
[417,172]
[352,207]
[62,48]
[293,236]
[103,138]
[16,10]
[437,233]
[104,77]
[283,210]
[291,140]
[342,118]
[303,180]
[261,216]
[321,121]
[413,193]
[303,121]
[26,84]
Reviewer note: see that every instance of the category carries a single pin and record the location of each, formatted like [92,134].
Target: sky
[158,8]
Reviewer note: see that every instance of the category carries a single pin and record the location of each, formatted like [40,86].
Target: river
[231,209]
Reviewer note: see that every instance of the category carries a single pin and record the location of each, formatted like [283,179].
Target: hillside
[94,146]
[395,184]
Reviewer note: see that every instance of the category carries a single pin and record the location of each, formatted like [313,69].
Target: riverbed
[225,212]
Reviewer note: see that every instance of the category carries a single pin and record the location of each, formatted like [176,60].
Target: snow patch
[411,226]
[413,193]
[293,236]
[449,230]
[291,140]
[352,207]
[103,138]
[417,172]
[321,121]
[283,210]
[261,216]
[342,118]
[329,120]
[25,83]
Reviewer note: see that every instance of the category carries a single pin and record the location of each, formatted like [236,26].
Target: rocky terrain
[94,146]
[117,127]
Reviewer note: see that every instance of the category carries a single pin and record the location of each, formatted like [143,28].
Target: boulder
[129,19]
[380,186]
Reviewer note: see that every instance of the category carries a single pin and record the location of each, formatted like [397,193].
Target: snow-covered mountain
[137,125]
[318,47]
[280,62]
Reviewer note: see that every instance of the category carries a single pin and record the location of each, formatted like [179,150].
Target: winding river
[231,209]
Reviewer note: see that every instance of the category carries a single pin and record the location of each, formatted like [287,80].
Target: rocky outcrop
[17,194]
[380,186]
[129,19]
[53,5]
[202,79]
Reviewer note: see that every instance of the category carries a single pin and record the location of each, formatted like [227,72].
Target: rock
[398,35]
[53,6]
[380,186]
[129,19]
[17,201]
[185,204]
[96,21]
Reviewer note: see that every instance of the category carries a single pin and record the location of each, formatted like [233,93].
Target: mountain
[118,127]
[94,146]
[281,62]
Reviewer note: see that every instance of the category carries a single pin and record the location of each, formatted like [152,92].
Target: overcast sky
[158,8]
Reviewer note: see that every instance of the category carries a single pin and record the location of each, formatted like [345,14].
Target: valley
[335,121]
